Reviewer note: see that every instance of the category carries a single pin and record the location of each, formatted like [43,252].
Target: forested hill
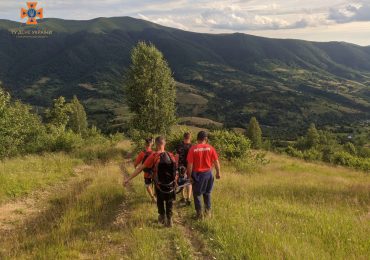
[286,84]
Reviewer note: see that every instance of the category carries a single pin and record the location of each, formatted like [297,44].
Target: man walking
[164,166]
[201,158]
[140,160]
[182,151]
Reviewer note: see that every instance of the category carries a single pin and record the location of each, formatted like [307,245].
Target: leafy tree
[77,117]
[21,131]
[312,136]
[254,133]
[150,90]
[230,145]
[58,114]
[350,148]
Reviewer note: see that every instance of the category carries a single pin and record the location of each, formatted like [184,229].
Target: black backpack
[165,172]
[183,150]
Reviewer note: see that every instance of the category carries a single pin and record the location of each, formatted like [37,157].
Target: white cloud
[217,16]
[359,11]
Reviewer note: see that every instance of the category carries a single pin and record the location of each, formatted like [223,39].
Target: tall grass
[19,176]
[291,210]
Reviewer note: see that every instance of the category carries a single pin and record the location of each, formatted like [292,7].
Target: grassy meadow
[290,209]
[20,176]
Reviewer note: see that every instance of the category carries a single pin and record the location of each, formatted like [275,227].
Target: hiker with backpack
[201,158]
[140,159]
[182,151]
[164,176]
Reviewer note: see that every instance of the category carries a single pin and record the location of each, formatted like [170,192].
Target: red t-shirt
[202,157]
[141,156]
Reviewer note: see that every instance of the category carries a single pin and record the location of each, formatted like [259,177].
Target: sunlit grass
[20,176]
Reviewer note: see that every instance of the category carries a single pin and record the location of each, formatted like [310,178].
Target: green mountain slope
[285,83]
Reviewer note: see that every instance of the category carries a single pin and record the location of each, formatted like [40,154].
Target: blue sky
[317,20]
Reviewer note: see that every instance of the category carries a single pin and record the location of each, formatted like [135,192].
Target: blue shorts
[202,182]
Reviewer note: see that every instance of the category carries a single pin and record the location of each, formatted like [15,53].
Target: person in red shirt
[181,152]
[140,160]
[164,168]
[201,158]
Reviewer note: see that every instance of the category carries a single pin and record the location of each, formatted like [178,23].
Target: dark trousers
[202,187]
[164,203]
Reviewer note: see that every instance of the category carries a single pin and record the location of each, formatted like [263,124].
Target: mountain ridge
[240,75]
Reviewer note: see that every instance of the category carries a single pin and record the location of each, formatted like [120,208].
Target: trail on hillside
[198,249]
[54,217]
[15,213]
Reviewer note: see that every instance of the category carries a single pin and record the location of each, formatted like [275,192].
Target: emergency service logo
[32,13]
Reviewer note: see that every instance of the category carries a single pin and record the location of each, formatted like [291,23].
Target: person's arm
[138,160]
[218,169]
[136,173]
[189,170]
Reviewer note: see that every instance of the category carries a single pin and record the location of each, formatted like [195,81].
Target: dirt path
[15,213]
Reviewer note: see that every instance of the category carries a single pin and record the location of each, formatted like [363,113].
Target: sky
[315,20]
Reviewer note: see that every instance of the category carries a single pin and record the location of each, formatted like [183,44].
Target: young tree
[77,117]
[312,136]
[254,133]
[150,90]
[58,114]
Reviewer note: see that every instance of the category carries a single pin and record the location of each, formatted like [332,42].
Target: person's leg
[169,213]
[197,193]
[161,209]
[188,194]
[148,186]
[207,194]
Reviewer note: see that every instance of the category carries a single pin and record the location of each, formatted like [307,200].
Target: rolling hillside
[227,77]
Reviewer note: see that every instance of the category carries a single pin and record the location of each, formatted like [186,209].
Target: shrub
[64,140]
[312,155]
[346,159]
[230,145]
[291,151]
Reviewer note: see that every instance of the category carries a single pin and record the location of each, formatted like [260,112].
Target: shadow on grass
[72,216]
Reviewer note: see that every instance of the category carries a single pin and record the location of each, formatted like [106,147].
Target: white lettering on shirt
[202,149]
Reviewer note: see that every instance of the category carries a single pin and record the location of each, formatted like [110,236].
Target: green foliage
[150,90]
[319,145]
[21,131]
[77,117]
[312,137]
[254,133]
[57,115]
[346,159]
[350,148]
[230,145]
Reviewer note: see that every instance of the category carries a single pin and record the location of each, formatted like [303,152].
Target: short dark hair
[149,141]
[202,136]
[160,140]
[187,135]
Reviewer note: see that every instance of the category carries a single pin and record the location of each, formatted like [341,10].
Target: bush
[250,163]
[346,159]
[230,145]
[21,131]
[64,140]
[291,151]
[312,155]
